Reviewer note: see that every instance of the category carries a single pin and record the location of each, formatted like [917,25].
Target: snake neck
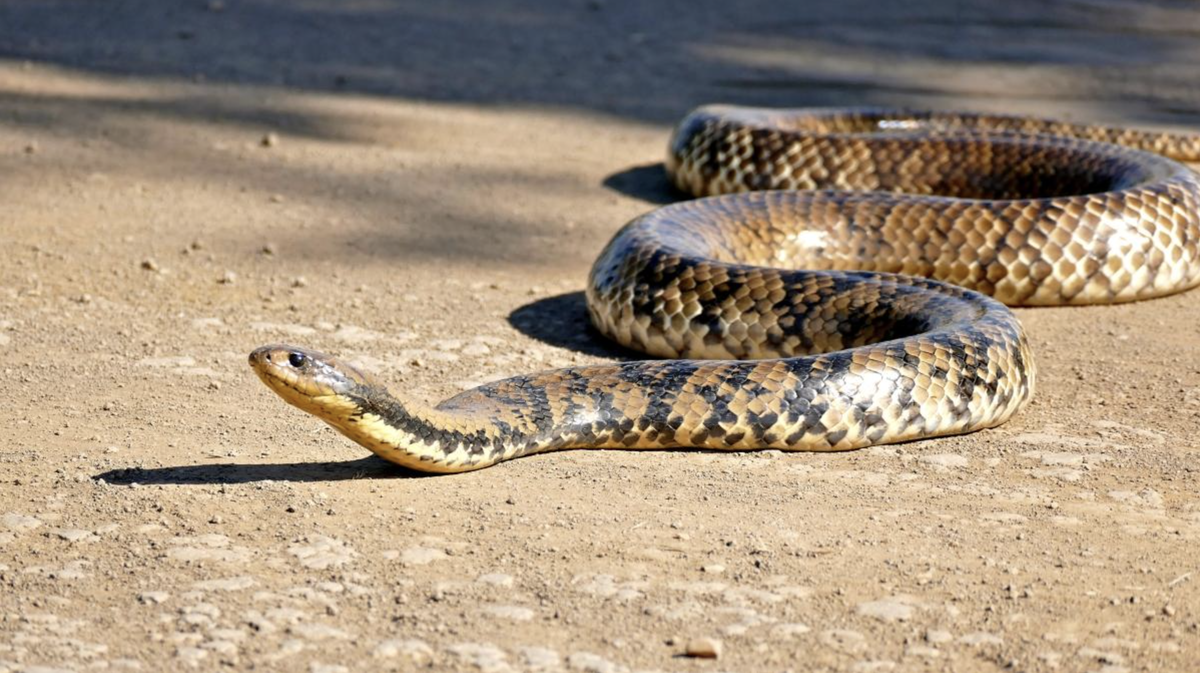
[409,433]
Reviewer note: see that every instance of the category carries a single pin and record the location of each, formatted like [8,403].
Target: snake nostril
[295,359]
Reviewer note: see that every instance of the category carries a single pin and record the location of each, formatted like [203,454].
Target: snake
[842,280]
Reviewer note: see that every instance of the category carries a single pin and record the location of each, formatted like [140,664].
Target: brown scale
[800,315]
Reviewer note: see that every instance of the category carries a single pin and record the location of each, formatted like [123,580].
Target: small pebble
[887,609]
[703,648]
[497,579]
[416,651]
[416,556]
[228,278]
[149,264]
[937,637]
[153,597]
[476,349]
[19,522]
[73,534]
[516,613]
[270,140]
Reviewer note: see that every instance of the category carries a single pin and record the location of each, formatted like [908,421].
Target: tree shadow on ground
[620,58]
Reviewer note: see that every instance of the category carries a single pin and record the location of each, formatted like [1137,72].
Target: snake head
[309,379]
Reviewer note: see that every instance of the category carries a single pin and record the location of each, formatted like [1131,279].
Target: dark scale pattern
[850,314]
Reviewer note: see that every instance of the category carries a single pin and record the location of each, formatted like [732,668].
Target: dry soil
[420,187]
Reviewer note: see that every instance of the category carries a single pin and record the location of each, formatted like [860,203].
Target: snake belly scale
[843,285]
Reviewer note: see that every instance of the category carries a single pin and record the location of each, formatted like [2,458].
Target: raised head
[320,384]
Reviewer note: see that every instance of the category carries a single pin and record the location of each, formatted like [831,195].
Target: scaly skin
[797,313]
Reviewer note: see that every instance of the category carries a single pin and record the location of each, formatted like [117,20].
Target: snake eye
[296,359]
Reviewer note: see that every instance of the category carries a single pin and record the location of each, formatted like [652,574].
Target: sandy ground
[421,187]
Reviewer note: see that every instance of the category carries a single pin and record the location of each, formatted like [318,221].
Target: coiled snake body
[850,309]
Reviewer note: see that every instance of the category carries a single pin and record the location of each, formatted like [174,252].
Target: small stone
[922,651]
[888,609]
[229,584]
[228,278]
[703,648]
[712,569]
[873,666]
[191,656]
[981,639]
[476,349]
[945,461]
[844,640]
[937,637]
[497,580]
[270,140]
[586,662]
[540,659]
[416,651]
[299,281]
[153,597]
[19,522]
[268,249]
[318,632]
[789,630]
[149,264]
[31,147]
[514,612]
[74,535]
[416,556]
[320,552]
[484,656]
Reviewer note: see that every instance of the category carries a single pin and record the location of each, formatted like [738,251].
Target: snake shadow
[370,467]
[563,321]
[648,183]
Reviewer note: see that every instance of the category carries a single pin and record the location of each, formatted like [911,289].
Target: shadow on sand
[647,182]
[562,320]
[370,467]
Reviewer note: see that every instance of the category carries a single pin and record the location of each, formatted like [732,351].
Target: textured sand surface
[420,187]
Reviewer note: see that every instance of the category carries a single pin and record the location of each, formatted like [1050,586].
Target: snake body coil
[848,314]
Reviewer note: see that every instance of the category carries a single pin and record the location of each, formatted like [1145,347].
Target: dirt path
[422,190]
